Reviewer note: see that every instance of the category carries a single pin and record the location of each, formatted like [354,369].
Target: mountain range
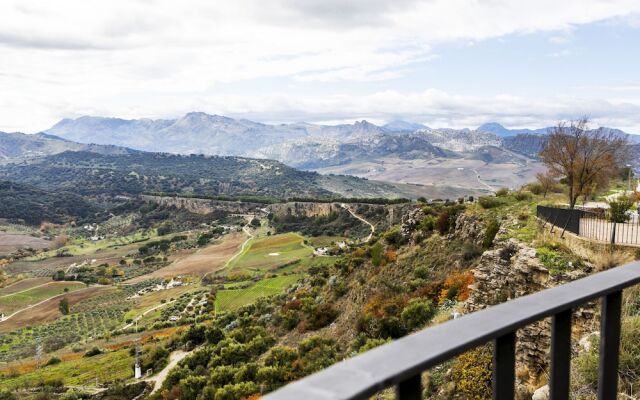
[399,152]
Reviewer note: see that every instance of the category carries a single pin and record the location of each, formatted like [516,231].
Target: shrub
[490,233]
[93,352]
[618,209]
[394,237]
[471,373]
[487,202]
[377,252]
[63,306]
[470,251]
[417,313]
[502,192]
[456,287]
[53,361]
[522,196]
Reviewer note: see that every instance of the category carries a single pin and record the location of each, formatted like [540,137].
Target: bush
[502,192]
[394,237]
[490,233]
[522,196]
[487,202]
[618,209]
[93,352]
[471,373]
[417,313]
[53,361]
[63,306]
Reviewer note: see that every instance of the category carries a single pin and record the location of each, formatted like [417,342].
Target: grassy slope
[17,301]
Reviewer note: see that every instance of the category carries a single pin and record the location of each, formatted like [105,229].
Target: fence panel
[592,225]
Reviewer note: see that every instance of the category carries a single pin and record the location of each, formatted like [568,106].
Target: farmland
[16,301]
[231,299]
[269,253]
[129,286]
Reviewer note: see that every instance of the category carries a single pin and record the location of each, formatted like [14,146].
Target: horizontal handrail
[366,374]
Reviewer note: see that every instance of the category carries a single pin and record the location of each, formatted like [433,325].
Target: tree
[546,181]
[63,306]
[583,157]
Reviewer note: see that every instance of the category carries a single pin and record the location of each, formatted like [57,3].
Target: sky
[444,63]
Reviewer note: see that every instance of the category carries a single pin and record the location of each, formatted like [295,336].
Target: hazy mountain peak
[399,126]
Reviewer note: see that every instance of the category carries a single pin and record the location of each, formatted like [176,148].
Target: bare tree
[546,182]
[585,158]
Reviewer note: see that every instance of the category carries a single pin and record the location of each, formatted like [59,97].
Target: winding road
[373,228]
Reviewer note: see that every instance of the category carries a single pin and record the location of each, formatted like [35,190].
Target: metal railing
[592,224]
[401,363]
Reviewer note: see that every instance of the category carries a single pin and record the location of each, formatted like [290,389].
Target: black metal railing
[402,362]
[591,224]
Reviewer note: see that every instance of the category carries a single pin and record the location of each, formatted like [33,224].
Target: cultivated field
[227,300]
[205,260]
[270,252]
[13,302]
[23,284]
[10,242]
[48,310]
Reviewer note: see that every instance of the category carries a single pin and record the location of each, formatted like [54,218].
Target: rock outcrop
[512,270]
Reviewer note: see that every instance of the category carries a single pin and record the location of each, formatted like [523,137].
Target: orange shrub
[456,287]
[391,255]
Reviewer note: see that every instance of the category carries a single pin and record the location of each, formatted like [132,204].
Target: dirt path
[373,228]
[480,181]
[174,359]
[246,230]
[129,325]
[47,310]
[22,283]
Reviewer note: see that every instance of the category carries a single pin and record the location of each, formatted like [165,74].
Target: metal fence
[592,224]
[402,362]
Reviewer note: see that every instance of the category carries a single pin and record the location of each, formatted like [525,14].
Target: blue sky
[453,63]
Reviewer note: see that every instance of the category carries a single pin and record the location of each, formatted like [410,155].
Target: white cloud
[162,57]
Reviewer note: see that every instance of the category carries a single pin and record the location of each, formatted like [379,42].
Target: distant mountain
[16,146]
[200,133]
[501,131]
[400,126]
[311,154]
[461,140]
[527,144]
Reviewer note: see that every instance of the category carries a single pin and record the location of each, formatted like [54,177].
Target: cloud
[162,57]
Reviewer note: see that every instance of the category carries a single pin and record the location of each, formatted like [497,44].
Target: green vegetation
[232,299]
[20,300]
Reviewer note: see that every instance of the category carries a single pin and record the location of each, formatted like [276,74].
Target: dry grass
[609,259]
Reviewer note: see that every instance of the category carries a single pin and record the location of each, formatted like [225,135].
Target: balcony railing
[401,363]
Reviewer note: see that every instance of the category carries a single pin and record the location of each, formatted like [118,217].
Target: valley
[461,175]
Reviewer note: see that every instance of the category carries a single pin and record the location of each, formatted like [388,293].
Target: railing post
[609,346]
[560,356]
[504,361]
[410,389]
